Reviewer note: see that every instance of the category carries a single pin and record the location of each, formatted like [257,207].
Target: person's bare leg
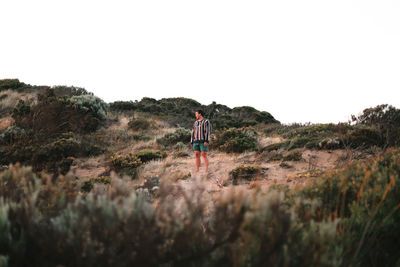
[205,159]
[197,154]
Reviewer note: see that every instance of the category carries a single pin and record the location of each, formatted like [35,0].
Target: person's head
[199,114]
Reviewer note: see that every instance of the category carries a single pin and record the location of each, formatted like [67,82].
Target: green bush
[170,139]
[126,164]
[235,140]
[148,155]
[247,172]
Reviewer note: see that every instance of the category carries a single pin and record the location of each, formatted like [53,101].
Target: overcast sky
[302,61]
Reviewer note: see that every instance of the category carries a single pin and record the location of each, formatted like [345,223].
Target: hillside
[289,190]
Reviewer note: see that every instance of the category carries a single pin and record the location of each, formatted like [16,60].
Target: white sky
[302,61]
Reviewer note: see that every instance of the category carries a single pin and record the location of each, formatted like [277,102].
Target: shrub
[250,114]
[13,84]
[299,142]
[139,124]
[148,155]
[90,104]
[52,115]
[275,146]
[12,134]
[362,138]
[329,143]
[293,155]
[346,218]
[126,164]
[273,155]
[247,172]
[385,119]
[235,140]
[123,106]
[312,136]
[180,111]
[18,183]
[53,155]
[172,138]
[366,197]
[69,91]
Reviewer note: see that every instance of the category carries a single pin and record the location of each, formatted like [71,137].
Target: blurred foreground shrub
[120,228]
[88,185]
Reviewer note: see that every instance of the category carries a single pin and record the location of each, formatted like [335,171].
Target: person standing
[200,139]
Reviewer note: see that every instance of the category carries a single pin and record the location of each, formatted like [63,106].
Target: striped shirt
[201,131]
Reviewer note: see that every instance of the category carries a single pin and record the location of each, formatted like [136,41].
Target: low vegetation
[125,164]
[235,140]
[79,189]
[148,155]
[181,135]
[244,172]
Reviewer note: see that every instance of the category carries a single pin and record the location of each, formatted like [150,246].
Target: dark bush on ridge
[89,184]
[53,115]
[13,84]
[385,119]
[61,90]
[180,111]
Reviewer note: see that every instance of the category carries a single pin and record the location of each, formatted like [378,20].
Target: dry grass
[12,97]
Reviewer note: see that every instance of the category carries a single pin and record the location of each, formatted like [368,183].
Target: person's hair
[201,112]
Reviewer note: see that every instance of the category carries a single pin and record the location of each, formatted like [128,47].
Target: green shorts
[199,146]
